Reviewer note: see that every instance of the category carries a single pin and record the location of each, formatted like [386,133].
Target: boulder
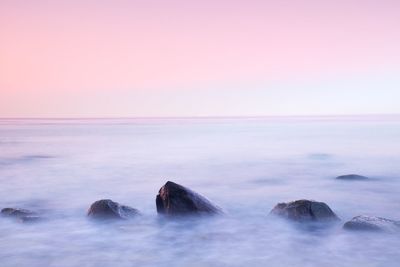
[352,177]
[176,200]
[108,209]
[304,210]
[372,223]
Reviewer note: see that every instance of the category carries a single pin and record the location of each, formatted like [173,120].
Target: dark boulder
[372,223]
[304,210]
[174,199]
[108,209]
[352,177]
[22,215]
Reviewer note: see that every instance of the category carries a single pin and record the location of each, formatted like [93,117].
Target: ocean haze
[245,165]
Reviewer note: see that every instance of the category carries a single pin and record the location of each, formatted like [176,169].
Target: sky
[199,58]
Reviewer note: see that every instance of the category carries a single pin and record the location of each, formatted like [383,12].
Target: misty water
[245,166]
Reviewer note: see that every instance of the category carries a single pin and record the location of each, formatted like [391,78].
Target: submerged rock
[31,219]
[16,213]
[352,177]
[174,199]
[108,209]
[22,215]
[372,223]
[304,210]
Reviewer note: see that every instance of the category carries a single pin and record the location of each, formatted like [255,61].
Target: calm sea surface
[245,166]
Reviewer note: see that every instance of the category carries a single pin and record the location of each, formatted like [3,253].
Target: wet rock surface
[372,223]
[176,200]
[108,209]
[352,177]
[304,210]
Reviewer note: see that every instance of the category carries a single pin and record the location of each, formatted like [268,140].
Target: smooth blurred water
[246,166]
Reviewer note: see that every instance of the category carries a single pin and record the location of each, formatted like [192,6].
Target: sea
[245,165]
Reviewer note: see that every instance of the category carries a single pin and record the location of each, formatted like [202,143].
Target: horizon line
[205,117]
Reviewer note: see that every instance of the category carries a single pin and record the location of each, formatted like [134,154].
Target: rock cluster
[174,200]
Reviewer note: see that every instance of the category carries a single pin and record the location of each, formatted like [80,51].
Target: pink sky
[198,58]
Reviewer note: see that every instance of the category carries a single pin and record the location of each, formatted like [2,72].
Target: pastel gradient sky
[199,58]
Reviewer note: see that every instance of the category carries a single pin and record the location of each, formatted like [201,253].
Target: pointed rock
[304,210]
[174,199]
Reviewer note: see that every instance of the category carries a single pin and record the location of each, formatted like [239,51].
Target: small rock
[17,213]
[319,156]
[372,223]
[21,215]
[352,177]
[30,219]
[174,199]
[304,210]
[108,209]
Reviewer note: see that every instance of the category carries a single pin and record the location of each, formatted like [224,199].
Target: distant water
[245,166]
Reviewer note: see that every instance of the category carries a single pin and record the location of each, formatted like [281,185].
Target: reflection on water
[246,166]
